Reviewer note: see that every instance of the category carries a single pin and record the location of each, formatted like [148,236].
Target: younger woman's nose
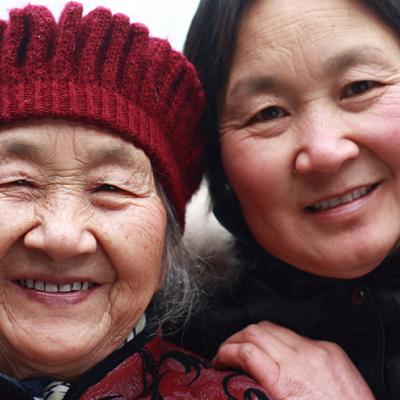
[326,156]
[327,142]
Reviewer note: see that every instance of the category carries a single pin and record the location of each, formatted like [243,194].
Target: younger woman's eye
[357,88]
[105,187]
[269,114]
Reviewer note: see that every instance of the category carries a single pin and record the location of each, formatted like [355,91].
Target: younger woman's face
[310,133]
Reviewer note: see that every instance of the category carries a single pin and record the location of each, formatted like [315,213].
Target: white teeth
[346,198]
[323,206]
[356,194]
[53,288]
[30,283]
[50,287]
[334,202]
[39,285]
[65,288]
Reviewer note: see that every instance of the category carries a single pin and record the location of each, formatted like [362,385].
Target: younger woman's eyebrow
[253,85]
[345,59]
[353,56]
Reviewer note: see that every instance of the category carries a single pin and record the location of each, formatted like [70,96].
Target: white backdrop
[168,19]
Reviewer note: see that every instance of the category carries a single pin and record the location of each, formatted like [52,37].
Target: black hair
[210,46]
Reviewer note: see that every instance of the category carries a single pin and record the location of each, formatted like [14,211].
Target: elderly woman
[303,119]
[100,151]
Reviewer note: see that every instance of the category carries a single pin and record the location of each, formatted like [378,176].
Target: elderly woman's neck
[20,367]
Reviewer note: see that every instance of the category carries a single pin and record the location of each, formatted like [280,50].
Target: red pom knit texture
[102,70]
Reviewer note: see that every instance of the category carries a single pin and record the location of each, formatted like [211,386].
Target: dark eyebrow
[356,56]
[338,62]
[22,150]
[113,156]
[254,85]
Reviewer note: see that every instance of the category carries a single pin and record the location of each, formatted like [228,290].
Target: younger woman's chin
[344,268]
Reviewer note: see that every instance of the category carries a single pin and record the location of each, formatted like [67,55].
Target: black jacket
[361,315]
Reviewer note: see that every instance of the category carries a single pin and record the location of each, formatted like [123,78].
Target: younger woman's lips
[348,197]
[349,211]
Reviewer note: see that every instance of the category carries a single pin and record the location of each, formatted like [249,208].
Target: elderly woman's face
[81,222]
[310,133]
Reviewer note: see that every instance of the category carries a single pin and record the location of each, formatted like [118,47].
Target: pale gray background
[168,19]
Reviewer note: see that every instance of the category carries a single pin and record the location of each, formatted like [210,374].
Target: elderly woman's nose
[62,233]
[326,145]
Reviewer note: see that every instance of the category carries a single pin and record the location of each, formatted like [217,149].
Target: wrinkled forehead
[56,140]
[286,19]
[278,37]
[281,23]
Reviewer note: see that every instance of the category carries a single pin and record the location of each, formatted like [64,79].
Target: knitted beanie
[102,70]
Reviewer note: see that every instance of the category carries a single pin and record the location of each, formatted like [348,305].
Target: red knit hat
[101,70]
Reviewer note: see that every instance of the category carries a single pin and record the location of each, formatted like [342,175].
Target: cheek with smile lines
[340,200]
[49,287]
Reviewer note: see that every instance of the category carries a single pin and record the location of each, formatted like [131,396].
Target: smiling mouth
[338,201]
[48,287]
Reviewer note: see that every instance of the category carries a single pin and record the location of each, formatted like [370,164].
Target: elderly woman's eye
[22,182]
[357,88]
[106,187]
[268,114]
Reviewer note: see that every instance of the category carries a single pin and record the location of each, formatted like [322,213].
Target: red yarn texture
[102,70]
